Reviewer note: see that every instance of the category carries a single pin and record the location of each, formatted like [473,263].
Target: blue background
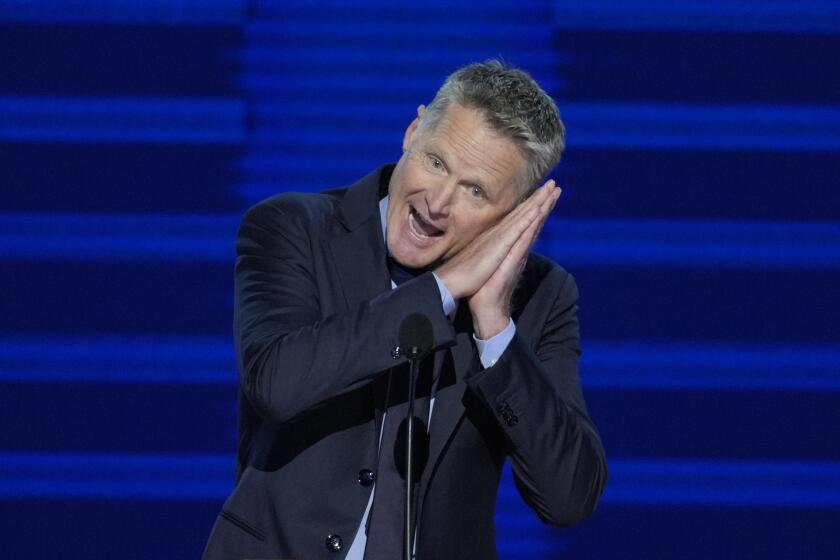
[700,215]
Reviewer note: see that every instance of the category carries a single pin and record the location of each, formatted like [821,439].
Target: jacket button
[366,477]
[395,352]
[334,543]
[507,413]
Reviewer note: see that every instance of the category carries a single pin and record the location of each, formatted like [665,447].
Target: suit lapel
[459,360]
[363,274]
[356,242]
[358,254]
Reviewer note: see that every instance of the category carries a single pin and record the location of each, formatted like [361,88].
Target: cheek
[474,226]
[460,235]
[402,190]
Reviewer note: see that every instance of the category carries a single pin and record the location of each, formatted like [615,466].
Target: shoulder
[540,269]
[306,210]
[545,303]
[313,211]
[543,283]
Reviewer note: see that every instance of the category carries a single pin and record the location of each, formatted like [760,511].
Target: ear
[412,128]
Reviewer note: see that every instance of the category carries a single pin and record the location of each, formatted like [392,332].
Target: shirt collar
[383,218]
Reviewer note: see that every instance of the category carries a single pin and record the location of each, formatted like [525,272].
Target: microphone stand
[413,355]
[417,336]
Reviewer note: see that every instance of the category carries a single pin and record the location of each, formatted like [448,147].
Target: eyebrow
[444,157]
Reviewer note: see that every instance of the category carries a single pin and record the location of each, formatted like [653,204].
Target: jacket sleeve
[534,391]
[291,357]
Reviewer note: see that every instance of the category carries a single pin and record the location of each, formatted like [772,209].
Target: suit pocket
[248,528]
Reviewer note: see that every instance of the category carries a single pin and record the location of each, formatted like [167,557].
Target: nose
[439,198]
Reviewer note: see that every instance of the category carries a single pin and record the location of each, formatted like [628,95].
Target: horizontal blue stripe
[107,237]
[187,12]
[318,57]
[692,244]
[503,34]
[116,359]
[573,242]
[650,365]
[511,547]
[604,365]
[160,477]
[699,15]
[708,482]
[430,9]
[632,481]
[671,126]
[108,119]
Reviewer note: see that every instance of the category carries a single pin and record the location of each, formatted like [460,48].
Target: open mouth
[420,227]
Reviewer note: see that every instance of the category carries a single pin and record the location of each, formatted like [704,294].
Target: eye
[435,162]
[477,191]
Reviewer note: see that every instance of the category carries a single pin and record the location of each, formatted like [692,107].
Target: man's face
[451,184]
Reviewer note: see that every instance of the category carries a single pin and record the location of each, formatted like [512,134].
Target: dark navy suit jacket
[315,324]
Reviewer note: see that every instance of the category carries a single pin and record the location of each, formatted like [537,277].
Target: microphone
[416,339]
[416,336]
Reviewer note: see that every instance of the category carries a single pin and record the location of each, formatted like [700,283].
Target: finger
[537,233]
[547,208]
[525,214]
[494,244]
[523,245]
[548,205]
[508,230]
[513,262]
[534,198]
[526,210]
[547,186]
[542,193]
[530,223]
[516,256]
[551,199]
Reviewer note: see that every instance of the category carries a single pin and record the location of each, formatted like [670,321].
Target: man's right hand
[465,273]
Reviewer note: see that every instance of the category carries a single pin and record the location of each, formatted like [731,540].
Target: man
[323,283]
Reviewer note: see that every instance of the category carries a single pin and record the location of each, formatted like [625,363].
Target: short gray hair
[514,105]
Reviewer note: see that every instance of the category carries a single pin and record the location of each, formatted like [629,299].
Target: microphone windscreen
[416,332]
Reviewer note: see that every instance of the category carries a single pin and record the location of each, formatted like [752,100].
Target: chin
[412,259]
[413,262]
